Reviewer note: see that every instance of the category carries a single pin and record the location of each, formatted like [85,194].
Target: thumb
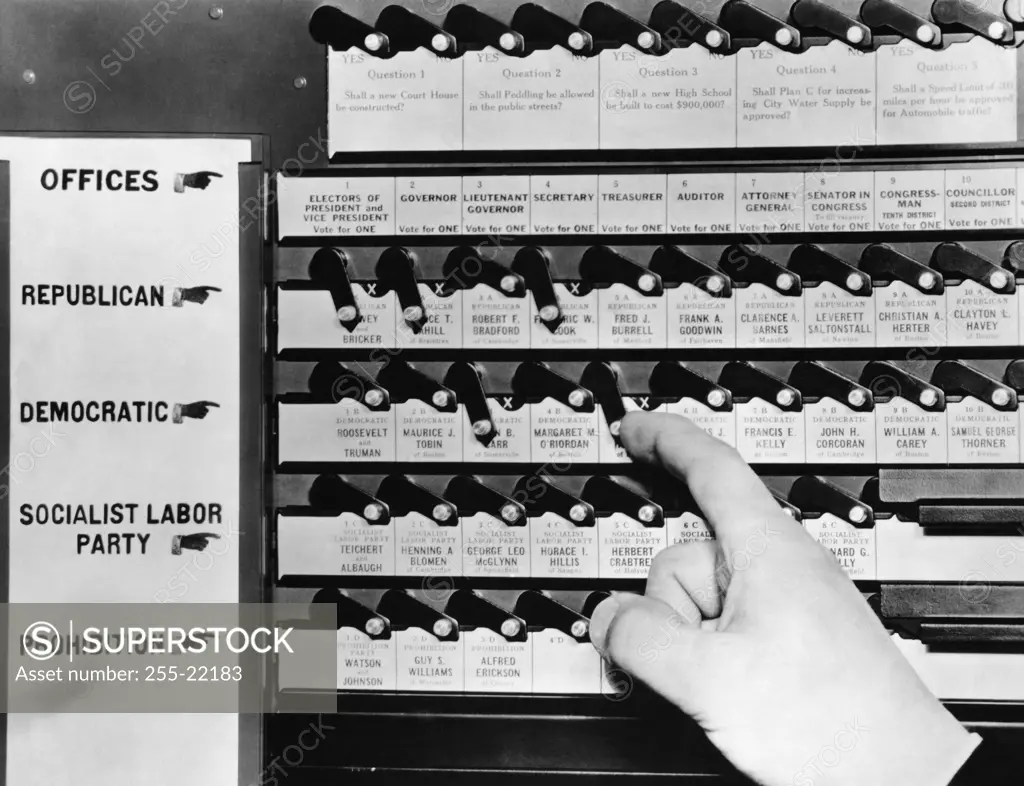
[653,642]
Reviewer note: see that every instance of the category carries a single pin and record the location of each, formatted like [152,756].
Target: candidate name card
[492,548]
[977,316]
[411,101]
[822,96]
[564,665]
[766,318]
[544,101]
[628,546]
[687,528]
[496,205]
[981,198]
[579,327]
[720,424]
[766,434]
[428,205]
[424,434]
[561,549]
[423,547]
[964,93]
[511,442]
[854,549]
[698,320]
[910,200]
[563,204]
[492,320]
[837,434]
[906,433]
[629,319]
[981,434]
[342,545]
[365,663]
[834,317]
[443,329]
[838,201]
[345,431]
[560,434]
[308,319]
[427,664]
[496,665]
[907,317]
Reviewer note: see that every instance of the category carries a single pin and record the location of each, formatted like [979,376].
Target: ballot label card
[428,205]
[981,198]
[910,200]
[496,665]
[544,101]
[579,327]
[685,98]
[424,434]
[977,316]
[718,423]
[687,528]
[822,96]
[765,318]
[425,548]
[563,204]
[496,205]
[854,549]
[310,206]
[562,435]
[345,431]
[443,329]
[907,317]
[630,320]
[770,202]
[839,201]
[905,433]
[342,545]
[561,549]
[628,546]
[426,664]
[766,434]
[564,665]
[365,663]
[411,101]
[491,548]
[493,320]
[701,202]
[981,434]
[698,320]
[835,318]
[511,442]
[837,434]
[308,319]
[964,93]
[631,204]
[610,450]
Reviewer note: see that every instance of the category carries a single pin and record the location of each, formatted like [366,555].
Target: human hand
[761,637]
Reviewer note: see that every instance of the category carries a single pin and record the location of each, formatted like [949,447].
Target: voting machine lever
[544,29]
[539,495]
[678,25]
[340,31]
[611,28]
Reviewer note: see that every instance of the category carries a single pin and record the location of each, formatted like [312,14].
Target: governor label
[563,204]
[908,434]
[837,434]
[701,203]
[907,317]
[836,318]
[628,546]
[563,664]
[424,434]
[561,434]
[854,549]
[910,200]
[426,664]
[308,319]
[719,424]
[428,205]
[492,548]
[365,663]
[630,320]
[766,434]
[493,320]
[698,320]
[443,329]
[496,205]
[426,548]
[631,204]
[411,101]
[977,316]
[563,550]
[687,528]
[511,442]
[765,318]
[981,434]
[345,431]
[343,545]
[579,328]
[496,665]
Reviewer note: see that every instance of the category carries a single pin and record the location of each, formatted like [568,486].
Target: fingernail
[601,620]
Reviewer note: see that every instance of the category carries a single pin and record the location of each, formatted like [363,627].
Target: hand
[197,541]
[761,637]
[198,180]
[194,294]
[197,410]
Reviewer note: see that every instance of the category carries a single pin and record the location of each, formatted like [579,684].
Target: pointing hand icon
[193,294]
[197,541]
[198,180]
[197,410]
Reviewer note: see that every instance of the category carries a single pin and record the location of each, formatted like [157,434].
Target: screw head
[440,43]
[576,41]
[507,41]
[440,398]
[441,512]
[856,397]
[549,313]
[374,626]
[646,513]
[715,284]
[615,428]
[928,397]
[998,279]
[579,628]
[510,628]
[996,30]
[578,512]
[789,512]
[715,397]
[373,512]
[783,36]
[510,512]
[785,281]
[412,313]
[508,283]
[645,40]
[482,428]
[442,627]
[347,313]
[854,282]
[373,41]
[925,34]
[216,12]
[713,39]
[784,397]
[926,280]
[577,398]
[855,35]
[373,397]
[858,514]
[646,282]
[29,76]
[1000,397]
[299,82]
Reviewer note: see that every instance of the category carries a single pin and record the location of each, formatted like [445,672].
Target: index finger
[211,174]
[738,505]
[209,403]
